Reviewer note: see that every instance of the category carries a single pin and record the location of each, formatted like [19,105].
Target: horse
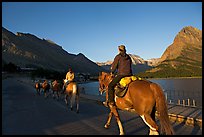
[37,87]
[143,97]
[56,88]
[46,88]
[72,94]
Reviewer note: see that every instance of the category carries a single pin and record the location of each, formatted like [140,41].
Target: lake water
[175,89]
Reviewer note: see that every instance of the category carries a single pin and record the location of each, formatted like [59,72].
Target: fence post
[183,102]
[194,104]
[179,102]
[165,94]
[188,103]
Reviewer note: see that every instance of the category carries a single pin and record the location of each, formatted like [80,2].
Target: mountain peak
[27,50]
[188,37]
[80,54]
[190,29]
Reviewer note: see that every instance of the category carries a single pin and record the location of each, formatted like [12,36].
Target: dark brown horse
[142,97]
[56,88]
[72,94]
[46,88]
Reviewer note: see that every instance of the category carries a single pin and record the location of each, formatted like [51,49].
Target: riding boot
[111,98]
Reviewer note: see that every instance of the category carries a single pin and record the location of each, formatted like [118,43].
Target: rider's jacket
[122,62]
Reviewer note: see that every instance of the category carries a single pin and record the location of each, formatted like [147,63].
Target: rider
[123,64]
[69,78]
[54,82]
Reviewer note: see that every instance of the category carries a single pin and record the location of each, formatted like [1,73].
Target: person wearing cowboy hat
[123,64]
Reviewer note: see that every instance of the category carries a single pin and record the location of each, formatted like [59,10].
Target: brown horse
[37,87]
[72,94]
[46,88]
[56,88]
[142,97]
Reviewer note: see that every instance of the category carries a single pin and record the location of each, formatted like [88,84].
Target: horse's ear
[100,73]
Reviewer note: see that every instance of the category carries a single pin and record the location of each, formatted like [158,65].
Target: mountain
[183,57]
[27,50]
[138,64]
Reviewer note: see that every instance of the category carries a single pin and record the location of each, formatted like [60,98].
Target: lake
[175,89]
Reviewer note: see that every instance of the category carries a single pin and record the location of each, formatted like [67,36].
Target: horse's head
[104,79]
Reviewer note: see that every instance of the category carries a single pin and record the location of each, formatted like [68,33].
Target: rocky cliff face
[27,50]
[188,38]
[184,55]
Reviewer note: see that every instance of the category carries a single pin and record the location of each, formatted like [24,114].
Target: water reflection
[182,89]
[176,89]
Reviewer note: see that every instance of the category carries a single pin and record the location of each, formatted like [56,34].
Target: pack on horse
[37,87]
[56,88]
[46,88]
[144,98]
[72,93]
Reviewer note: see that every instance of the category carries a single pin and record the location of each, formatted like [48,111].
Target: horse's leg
[108,120]
[62,94]
[57,95]
[48,93]
[53,94]
[72,100]
[151,124]
[115,113]
[73,97]
[77,103]
[37,91]
[66,98]
[45,94]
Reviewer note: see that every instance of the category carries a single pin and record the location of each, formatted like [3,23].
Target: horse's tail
[162,109]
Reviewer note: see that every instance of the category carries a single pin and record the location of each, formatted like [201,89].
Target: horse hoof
[77,111]
[122,133]
[106,126]
[71,109]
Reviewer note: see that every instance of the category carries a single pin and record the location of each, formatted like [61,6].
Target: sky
[96,29]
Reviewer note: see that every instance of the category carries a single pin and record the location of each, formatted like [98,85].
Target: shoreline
[178,78]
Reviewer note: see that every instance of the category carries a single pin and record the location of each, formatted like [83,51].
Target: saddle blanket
[121,89]
[126,80]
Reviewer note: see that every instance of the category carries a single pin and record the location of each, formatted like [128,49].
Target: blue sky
[97,28]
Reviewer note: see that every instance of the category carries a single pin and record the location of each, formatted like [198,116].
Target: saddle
[122,87]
